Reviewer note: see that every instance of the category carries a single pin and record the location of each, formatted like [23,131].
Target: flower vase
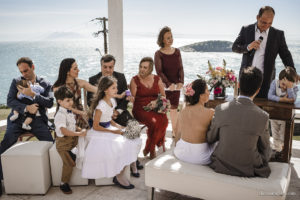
[219,92]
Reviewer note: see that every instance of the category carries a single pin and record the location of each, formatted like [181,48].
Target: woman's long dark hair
[64,68]
[104,83]
[199,86]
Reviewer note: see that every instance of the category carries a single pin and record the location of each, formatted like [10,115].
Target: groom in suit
[260,44]
[242,131]
[39,103]
[121,114]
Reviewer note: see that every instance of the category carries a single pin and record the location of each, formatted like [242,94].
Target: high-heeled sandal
[152,155]
[137,174]
[145,152]
[139,166]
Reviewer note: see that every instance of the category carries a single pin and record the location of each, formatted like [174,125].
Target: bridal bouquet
[160,105]
[133,129]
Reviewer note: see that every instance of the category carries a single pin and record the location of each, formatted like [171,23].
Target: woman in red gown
[145,88]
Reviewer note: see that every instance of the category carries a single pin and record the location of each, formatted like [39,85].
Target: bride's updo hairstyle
[193,91]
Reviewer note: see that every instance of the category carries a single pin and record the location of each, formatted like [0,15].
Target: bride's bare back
[193,122]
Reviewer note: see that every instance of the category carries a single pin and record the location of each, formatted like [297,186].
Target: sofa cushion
[169,173]
[56,164]
[26,168]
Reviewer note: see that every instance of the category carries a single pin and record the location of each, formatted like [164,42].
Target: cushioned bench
[168,173]
[56,170]
[26,168]
[76,179]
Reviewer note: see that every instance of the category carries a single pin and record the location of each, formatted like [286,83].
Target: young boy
[67,136]
[282,90]
[36,88]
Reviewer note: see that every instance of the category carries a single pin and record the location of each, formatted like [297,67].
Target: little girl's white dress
[106,153]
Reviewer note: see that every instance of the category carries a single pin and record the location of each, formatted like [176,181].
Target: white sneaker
[26,127]
[14,117]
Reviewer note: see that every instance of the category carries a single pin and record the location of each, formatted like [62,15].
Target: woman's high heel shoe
[152,155]
[145,152]
[139,166]
[137,174]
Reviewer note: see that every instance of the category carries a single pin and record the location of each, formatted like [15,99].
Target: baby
[36,88]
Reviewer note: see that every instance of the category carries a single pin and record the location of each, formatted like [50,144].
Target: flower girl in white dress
[108,152]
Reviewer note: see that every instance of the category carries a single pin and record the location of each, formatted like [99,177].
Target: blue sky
[36,19]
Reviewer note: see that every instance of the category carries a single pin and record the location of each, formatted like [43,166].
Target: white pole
[115,32]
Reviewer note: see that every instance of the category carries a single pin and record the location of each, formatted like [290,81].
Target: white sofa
[56,170]
[168,173]
[76,179]
[26,168]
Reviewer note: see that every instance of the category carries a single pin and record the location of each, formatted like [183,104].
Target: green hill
[208,46]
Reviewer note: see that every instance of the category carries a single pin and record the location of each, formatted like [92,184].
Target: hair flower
[188,90]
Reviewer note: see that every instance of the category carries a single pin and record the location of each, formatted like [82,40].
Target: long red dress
[156,122]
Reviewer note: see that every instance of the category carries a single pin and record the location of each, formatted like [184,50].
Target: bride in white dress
[192,125]
[108,152]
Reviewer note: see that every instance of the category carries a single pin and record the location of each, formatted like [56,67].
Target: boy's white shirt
[64,119]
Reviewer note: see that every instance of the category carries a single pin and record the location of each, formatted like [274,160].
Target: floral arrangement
[160,105]
[220,78]
[133,129]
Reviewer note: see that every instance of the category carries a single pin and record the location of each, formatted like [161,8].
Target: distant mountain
[64,36]
[208,46]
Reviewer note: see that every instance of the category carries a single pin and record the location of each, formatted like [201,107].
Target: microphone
[260,39]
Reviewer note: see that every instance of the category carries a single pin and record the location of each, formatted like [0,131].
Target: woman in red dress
[145,88]
[168,65]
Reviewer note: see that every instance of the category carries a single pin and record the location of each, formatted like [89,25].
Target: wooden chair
[30,135]
[27,134]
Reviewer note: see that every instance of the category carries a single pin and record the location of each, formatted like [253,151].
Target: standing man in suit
[260,44]
[39,103]
[121,114]
[241,129]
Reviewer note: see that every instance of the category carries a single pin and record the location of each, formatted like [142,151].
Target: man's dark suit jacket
[241,128]
[275,45]
[121,103]
[44,100]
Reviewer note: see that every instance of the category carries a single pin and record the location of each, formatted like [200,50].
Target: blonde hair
[151,63]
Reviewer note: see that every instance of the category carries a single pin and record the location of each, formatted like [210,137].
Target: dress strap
[77,88]
[156,79]
[136,80]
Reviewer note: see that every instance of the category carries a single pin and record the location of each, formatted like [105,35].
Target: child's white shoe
[26,127]
[14,117]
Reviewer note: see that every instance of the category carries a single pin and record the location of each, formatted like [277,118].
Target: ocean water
[47,56]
